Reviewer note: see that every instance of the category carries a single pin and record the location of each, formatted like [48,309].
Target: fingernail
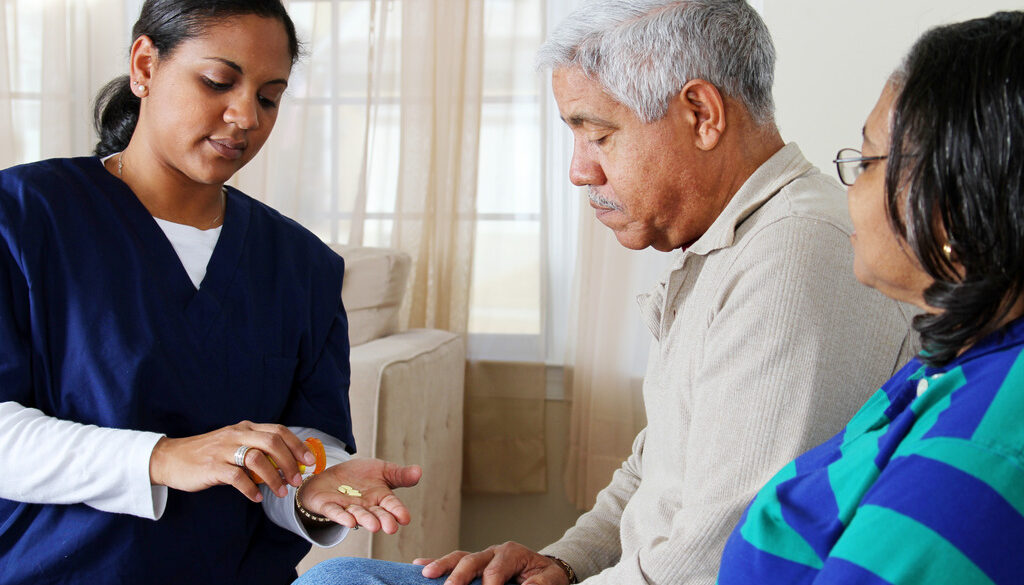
[309,458]
[296,479]
[282,492]
[259,497]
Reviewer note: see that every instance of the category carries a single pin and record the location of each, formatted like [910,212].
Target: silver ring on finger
[240,455]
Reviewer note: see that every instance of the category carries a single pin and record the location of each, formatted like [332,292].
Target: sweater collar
[775,173]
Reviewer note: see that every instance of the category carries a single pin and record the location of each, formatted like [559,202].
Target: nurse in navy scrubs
[148,313]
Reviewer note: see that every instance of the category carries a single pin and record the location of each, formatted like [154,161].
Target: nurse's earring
[947,250]
[138,89]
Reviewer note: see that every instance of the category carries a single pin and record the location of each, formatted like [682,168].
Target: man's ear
[705,109]
[142,62]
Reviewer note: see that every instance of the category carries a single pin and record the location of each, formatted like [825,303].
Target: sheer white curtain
[54,57]
[595,328]
[377,142]
[606,364]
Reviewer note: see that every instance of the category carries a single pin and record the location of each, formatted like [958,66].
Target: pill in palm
[349,491]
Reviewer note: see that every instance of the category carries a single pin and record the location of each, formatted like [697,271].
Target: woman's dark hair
[957,156]
[168,23]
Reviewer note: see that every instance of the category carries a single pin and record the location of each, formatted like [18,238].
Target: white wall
[834,56]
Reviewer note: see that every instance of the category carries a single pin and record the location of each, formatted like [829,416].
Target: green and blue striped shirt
[925,485]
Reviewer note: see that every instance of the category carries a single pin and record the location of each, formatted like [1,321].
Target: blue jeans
[354,571]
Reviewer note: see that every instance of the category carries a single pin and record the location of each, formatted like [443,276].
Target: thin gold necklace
[223,191]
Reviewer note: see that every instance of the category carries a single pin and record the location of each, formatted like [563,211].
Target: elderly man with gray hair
[760,328]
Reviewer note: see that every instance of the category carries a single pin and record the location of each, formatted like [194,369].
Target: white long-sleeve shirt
[52,461]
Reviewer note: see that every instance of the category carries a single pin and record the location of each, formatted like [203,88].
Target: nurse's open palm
[365,498]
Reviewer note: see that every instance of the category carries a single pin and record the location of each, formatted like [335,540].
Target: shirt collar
[1007,336]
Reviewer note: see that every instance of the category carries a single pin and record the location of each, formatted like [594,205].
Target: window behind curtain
[54,56]
[520,250]
[331,86]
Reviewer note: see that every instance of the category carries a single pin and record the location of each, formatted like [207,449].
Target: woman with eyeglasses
[926,483]
[167,342]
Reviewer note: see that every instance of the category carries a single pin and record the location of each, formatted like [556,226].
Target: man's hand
[376,507]
[496,565]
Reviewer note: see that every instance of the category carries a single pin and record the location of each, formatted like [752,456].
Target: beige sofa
[406,396]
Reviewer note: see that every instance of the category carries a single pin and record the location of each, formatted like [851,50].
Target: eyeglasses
[850,164]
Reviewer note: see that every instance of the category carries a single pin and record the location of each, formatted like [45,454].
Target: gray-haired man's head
[670,106]
[644,51]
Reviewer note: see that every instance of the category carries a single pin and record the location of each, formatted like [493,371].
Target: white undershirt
[193,245]
[52,461]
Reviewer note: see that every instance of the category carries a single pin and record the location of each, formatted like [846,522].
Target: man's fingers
[470,567]
[550,576]
[504,565]
[497,565]
[442,566]
[495,576]
[422,562]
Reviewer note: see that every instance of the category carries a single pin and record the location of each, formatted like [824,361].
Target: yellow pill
[349,491]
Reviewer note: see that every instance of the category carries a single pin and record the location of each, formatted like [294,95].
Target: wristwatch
[565,567]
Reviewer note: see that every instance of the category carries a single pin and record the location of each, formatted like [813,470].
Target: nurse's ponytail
[116,113]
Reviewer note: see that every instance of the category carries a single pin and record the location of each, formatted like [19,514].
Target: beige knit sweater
[764,346]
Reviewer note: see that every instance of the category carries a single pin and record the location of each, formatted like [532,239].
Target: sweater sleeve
[788,328]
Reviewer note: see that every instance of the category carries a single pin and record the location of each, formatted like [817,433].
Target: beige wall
[834,56]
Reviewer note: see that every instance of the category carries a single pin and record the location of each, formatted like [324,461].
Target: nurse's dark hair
[168,23]
[956,176]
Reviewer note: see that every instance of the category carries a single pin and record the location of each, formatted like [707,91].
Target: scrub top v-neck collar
[200,306]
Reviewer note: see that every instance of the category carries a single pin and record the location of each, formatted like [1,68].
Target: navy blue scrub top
[100,324]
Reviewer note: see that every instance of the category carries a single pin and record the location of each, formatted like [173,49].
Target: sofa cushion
[375,282]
